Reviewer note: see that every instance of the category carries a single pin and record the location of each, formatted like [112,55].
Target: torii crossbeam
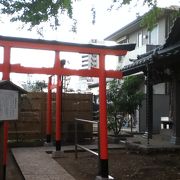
[119,50]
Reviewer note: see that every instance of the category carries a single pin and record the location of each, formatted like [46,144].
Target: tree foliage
[36,86]
[36,11]
[120,3]
[132,95]
[150,19]
[123,98]
[115,107]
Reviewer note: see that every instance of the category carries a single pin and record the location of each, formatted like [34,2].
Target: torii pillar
[49,112]
[103,119]
[4,124]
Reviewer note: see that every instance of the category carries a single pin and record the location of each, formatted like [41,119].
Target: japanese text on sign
[8,105]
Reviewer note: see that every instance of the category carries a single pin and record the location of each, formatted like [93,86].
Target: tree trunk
[131,124]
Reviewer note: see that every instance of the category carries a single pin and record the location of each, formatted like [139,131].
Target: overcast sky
[107,22]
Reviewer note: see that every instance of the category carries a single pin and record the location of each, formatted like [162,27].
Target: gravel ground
[125,165]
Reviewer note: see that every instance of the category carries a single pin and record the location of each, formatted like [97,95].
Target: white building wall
[132,38]
[157,36]
[132,55]
[162,31]
[159,88]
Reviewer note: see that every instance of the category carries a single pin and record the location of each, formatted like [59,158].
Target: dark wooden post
[1,150]
[149,103]
[176,112]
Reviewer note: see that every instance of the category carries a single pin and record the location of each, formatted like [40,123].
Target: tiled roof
[171,48]
[174,35]
[5,84]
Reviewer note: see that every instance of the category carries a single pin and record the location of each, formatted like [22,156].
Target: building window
[140,39]
[153,36]
[123,40]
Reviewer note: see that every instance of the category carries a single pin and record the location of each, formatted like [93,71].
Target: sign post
[8,111]
[1,150]
[8,105]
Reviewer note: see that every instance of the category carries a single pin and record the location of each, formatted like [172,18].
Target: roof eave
[131,27]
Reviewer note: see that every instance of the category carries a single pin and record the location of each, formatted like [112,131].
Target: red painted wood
[103,109]
[58,109]
[49,108]
[65,72]
[53,86]
[6,76]
[62,47]
[6,68]
[114,74]
[6,64]
[57,66]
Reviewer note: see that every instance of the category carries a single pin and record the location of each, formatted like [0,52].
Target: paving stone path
[36,164]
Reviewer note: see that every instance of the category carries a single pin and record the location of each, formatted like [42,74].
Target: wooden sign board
[8,105]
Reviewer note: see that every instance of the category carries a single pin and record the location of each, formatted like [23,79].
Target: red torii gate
[119,50]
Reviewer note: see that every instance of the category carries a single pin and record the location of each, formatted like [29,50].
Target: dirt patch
[125,165]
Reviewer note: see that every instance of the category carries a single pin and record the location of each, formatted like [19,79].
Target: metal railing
[76,137]
[85,148]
